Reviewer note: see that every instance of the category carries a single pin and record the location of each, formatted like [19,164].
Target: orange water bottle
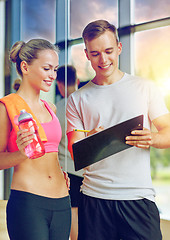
[36,148]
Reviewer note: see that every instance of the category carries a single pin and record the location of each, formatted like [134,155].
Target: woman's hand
[24,137]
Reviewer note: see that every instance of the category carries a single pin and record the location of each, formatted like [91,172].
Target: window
[152,51]
[152,55]
[78,58]
[38,19]
[82,12]
[151,10]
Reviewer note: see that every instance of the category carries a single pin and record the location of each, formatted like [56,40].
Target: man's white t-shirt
[65,159]
[124,175]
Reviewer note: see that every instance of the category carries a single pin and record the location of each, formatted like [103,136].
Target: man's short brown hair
[71,75]
[96,28]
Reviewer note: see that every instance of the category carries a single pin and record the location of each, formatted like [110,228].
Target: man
[64,156]
[117,193]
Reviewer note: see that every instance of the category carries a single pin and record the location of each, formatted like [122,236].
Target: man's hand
[67,179]
[95,130]
[140,138]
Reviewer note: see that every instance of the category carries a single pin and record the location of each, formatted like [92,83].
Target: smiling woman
[44,69]
[39,189]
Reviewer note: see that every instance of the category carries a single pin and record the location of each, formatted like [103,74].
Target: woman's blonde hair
[16,84]
[27,52]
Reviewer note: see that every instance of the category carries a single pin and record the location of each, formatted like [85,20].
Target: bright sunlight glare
[165,86]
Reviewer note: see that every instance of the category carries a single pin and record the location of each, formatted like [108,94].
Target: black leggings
[33,217]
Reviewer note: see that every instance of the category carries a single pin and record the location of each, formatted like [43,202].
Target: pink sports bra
[52,130]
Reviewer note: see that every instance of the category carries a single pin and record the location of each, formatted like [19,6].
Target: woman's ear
[24,67]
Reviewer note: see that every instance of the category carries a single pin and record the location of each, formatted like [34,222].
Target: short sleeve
[157,106]
[73,115]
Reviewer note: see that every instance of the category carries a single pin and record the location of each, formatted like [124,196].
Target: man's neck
[71,89]
[108,80]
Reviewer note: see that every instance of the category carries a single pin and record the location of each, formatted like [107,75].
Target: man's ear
[61,88]
[78,81]
[24,67]
[85,50]
[119,48]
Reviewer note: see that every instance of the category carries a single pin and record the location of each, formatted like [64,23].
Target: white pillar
[125,19]
[2,79]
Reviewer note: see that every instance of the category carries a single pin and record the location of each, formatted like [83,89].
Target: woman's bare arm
[10,159]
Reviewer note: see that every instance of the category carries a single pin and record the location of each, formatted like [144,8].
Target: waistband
[40,201]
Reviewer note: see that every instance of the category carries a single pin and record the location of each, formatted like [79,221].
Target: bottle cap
[24,116]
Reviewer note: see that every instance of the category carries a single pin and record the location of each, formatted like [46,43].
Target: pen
[79,130]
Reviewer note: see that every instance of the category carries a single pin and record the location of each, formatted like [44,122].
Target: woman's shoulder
[51,105]
[4,116]
[3,108]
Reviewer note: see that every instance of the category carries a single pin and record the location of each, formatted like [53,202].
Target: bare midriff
[42,176]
